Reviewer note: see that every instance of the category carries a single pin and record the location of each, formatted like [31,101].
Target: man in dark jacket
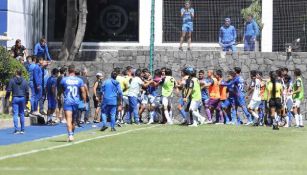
[19,88]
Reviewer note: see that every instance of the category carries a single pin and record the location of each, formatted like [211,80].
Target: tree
[8,67]
[254,9]
[74,29]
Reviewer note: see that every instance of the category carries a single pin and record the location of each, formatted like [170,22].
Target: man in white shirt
[133,94]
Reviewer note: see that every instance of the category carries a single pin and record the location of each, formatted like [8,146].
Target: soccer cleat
[248,123]
[113,129]
[209,122]
[275,127]
[219,123]
[103,128]
[95,121]
[22,131]
[150,122]
[202,121]
[70,138]
[193,125]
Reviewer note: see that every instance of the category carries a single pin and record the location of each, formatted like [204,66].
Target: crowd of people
[129,94]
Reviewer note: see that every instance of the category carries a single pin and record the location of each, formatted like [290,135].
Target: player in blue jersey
[187,14]
[112,97]
[154,97]
[72,87]
[51,87]
[239,85]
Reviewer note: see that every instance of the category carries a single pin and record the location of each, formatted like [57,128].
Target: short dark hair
[168,72]
[158,72]
[285,69]
[219,73]
[19,72]
[43,39]
[129,67]
[71,68]
[232,73]
[145,70]
[29,58]
[117,70]
[138,73]
[124,72]
[297,72]
[63,70]
[55,71]
[201,71]
[237,70]
[253,73]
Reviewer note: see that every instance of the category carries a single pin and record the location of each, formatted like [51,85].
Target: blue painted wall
[3,16]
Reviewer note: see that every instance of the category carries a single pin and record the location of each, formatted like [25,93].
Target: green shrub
[8,67]
[254,9]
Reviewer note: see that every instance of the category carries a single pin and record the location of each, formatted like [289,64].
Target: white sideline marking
[72,143]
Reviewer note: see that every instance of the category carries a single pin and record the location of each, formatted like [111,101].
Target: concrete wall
[265,62]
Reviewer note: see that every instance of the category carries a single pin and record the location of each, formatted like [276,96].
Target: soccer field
[158,149]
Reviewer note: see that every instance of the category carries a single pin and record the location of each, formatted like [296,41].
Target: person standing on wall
[19,88]
[187,14]
[228,36]
[18,50]
[251,31]
[41,50]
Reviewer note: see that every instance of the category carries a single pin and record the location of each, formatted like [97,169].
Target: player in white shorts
[256,97]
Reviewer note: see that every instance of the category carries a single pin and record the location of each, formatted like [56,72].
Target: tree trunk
[70,29]
[80,31]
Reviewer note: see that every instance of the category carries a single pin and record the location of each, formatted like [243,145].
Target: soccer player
[274,90]
[72,87]
[221,118]
[239,85]
[112,101]
[133,94]
[19,88]
[97,96]
[255,101]
[124,85]
[31,68]
[168,84]
[154,96]
[181,106]
[144,94]
[37,85]
[51,95]
[288,99]
[187,14]
[194,95]
[214,94]
[228,36]
[60,100]
[298,97]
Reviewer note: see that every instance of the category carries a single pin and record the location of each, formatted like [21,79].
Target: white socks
[167,116]
[198,117]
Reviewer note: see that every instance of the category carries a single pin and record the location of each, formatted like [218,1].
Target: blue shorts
[70,107]
[52,103]
[188,27]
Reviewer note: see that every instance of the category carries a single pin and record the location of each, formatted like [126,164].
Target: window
[107,20]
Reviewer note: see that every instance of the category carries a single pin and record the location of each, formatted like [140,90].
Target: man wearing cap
[187,14]
[97,96]
[227,36]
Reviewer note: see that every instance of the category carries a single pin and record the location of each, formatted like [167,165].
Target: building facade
[127,22]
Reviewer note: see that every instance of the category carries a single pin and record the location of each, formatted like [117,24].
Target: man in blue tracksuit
[20,92]
[37,85]
[32,66]
[251,31]
[228,36]
[111,93]
[41,49]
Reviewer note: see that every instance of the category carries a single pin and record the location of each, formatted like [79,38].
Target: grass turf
[167,150]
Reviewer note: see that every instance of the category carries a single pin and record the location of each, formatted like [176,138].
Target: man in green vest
[168,84]
[194,96]
[298,97]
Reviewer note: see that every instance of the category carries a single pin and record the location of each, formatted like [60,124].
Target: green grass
[170,150]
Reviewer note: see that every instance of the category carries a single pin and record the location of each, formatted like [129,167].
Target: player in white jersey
[256,97]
